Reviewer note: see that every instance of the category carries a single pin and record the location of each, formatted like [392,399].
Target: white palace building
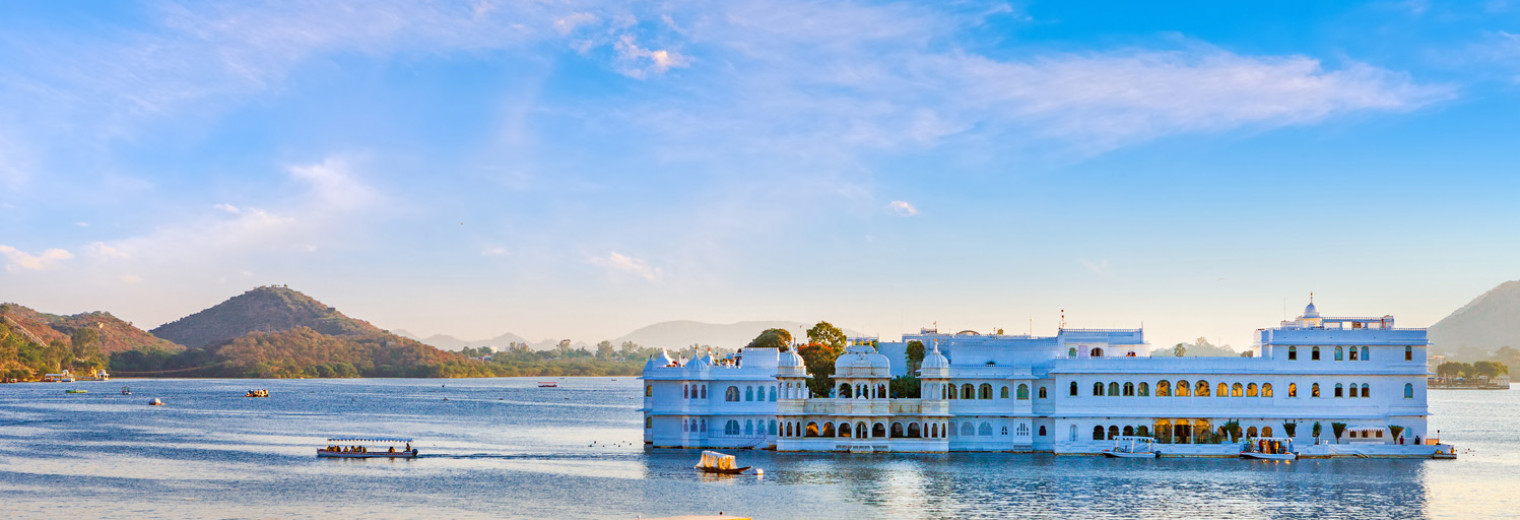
[1067,394]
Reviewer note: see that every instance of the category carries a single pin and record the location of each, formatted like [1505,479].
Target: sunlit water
[503,448]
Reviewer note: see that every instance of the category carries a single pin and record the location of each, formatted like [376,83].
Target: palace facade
[1069,393]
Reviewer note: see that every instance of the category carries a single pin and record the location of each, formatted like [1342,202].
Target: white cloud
[1099,267]
[569,23]
[902,208]
[638,62]
[228,208]
[22,260]
[616,262]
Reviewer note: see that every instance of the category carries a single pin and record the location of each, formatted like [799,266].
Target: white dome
[791,359]
[935,364]
[862,361]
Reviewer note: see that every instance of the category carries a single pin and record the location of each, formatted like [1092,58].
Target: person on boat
[393,449]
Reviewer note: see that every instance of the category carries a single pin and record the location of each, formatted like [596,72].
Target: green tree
[1316,431]
[1395,430]
[826,333]
[1291,428]
[1338,428]
[772,338]
[1179,350]
[915,356]
[1453,369]
[905,387]
[604,350]
[819,359]
[85,342]
[1489,369]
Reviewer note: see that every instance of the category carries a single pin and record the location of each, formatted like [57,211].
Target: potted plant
[1396,431]
[1338,428]
[1291,428]
[1316,431]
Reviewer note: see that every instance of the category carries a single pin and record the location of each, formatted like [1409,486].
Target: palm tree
[1338,428]
[1316,431]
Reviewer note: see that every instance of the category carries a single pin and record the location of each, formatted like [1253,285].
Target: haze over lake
[503,448]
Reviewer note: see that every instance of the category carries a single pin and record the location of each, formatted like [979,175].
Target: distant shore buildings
[1070,393]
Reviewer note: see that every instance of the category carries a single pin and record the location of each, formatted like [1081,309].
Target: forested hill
[264,309]
[112,334]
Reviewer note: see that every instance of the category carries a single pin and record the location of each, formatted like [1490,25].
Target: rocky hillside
[1488,322]
[115,335]
[264,309]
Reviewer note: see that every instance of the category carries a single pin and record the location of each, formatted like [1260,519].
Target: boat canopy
[374,440]
[713,459]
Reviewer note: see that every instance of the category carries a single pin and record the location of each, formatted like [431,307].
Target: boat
[368,449]
[548,384]
[1268,448]
[1133,447]
[257,393]
[76,391]
[126,390]
[155,402]
[714,462]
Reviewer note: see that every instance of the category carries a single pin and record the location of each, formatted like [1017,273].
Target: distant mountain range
[666,334]
[1488,322]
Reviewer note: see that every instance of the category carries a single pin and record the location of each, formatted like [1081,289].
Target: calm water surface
[503,448]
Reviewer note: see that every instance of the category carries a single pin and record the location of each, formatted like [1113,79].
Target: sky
[568,169]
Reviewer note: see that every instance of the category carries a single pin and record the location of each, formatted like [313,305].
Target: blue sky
[580,169]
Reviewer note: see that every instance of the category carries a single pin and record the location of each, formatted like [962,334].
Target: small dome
[650,364]
[791,359]
[935,360]
[1310,311]
[862,361]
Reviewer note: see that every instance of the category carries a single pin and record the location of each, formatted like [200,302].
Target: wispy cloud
[1099,267]
[615,262]
[19,259]
[902,208]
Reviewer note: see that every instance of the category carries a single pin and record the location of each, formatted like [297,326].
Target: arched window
[704,391]
[1236,390]
[685,391]
[1314,354]
[1003,393]
[844,429]
[828,430]
[950,392]
[1113,389]
[1097,433]
[1223,391]
[967,430]
[731,427]
[704,425]
[1366,354]
[1251,390]
[1145,389]
[968,392]
[773,393]
[1366,392]
[1022,430]
[1266,391]
[749,393]
[1071,352]
[1129,430]
[897,430]
[1266,431]
[1097,388]
[1251,432]
[844,391]
[749,427]
[648,390]
[1130,354]
[879,430]
[1113,431]
[1042,431]
[1042,393]
[1201,389]
[1183,390]
[1163,389]
[1338,392]
[1097,352]
[881,391]
[1339,355]
[1073,388]
[1292,352]
[913,431]
[1023,392]
[984,391]
[772,427]
[1314,390]
[732,394]
[984,430]
[1408,391]
[648,422]
[1129,389]
[1292,389]
[1353,354]
[1408,353]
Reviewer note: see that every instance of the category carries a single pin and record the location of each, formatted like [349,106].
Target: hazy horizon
[583,169]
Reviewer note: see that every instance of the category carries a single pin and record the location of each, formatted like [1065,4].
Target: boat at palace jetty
[1268,448]
[1078,392]
[714,462]
[368,449]
[1133,447]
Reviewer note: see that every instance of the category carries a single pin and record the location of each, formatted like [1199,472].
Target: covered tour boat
[1133,447]
[368,449]
[257,393]
[714,462]
[1268,448]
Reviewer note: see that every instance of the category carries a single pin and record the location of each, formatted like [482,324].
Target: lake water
[503,448]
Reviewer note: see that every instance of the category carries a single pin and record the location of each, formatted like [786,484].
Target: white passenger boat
[1133,447]
[1268,448]
[714,462]
[368,449]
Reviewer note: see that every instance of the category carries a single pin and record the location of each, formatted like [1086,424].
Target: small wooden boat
[126,390]
[155,402]
[1133,447]
[257,393]
[714,462]
[1268,448]
[76,391]
[548,384]
[368,449]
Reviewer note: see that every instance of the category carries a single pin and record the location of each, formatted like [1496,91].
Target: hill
[680,334]
[447,342]
[263,309]
[1490,321]
[116,335]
